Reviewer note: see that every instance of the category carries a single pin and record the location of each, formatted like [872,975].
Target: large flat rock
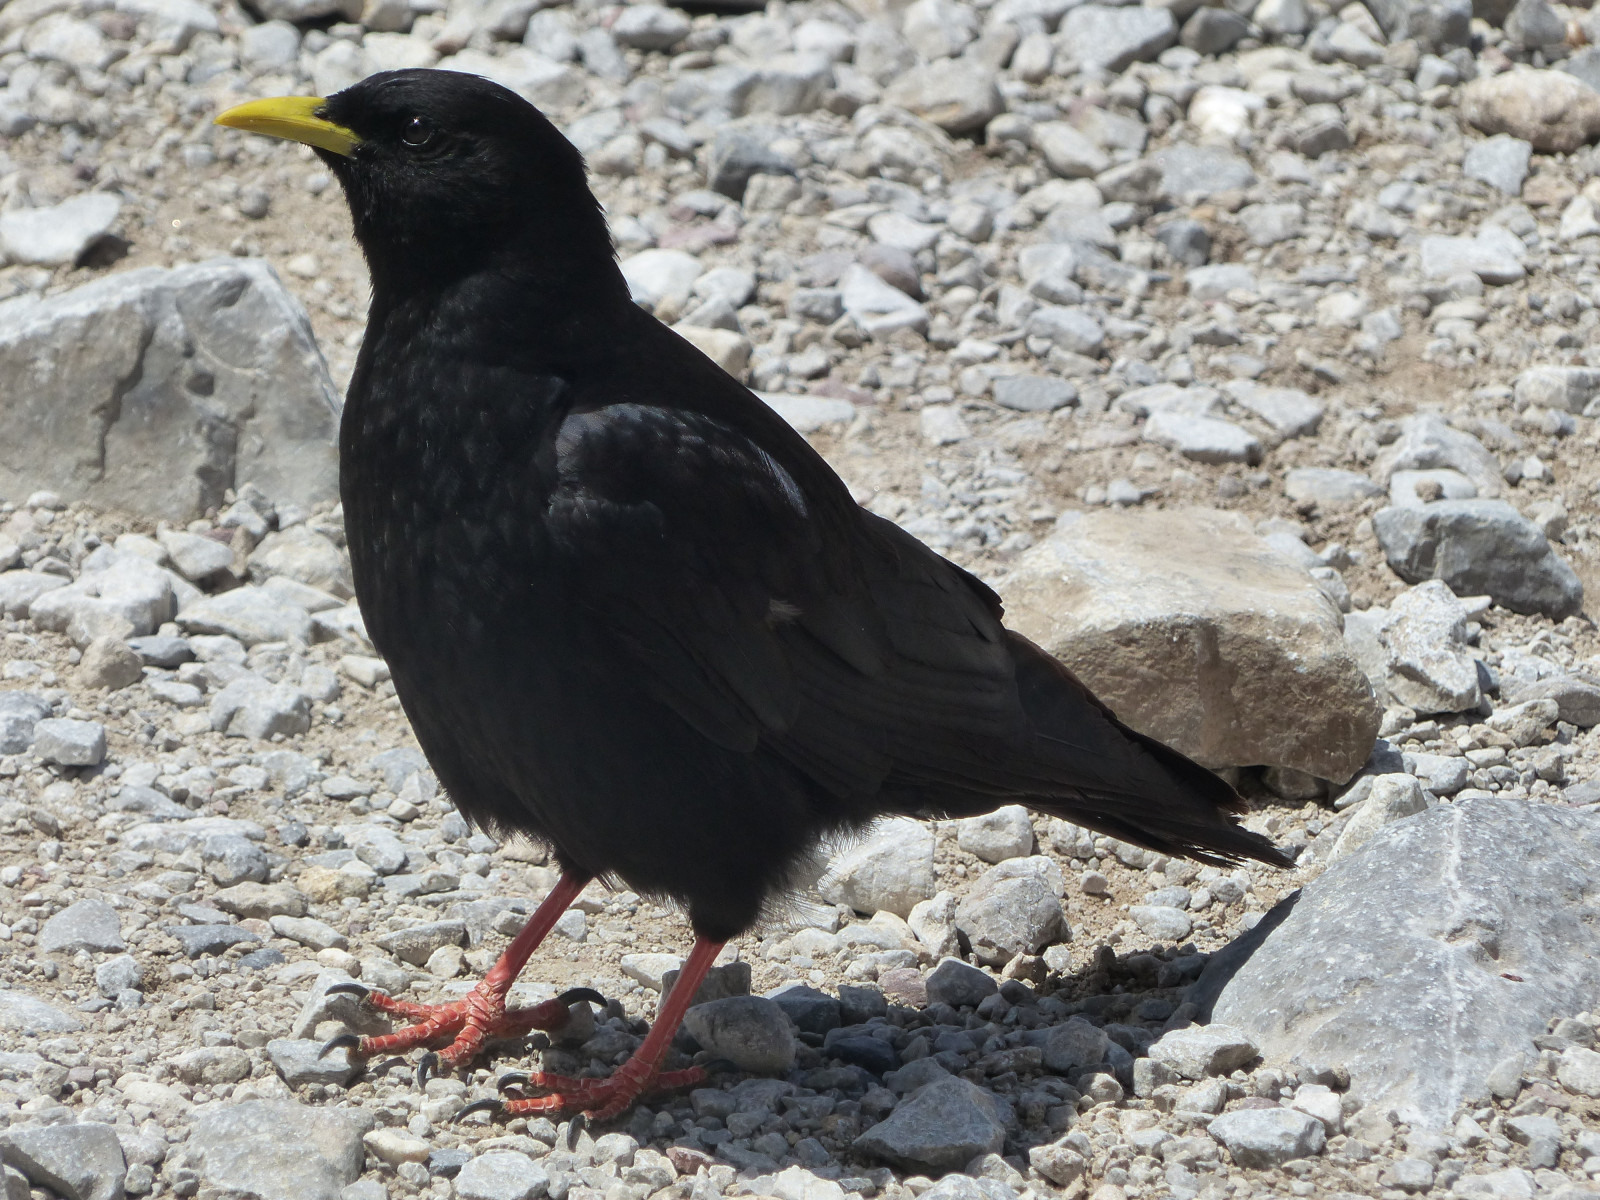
[1196,631]
[154,391]
[1420,960]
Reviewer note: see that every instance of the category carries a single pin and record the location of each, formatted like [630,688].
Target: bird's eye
[416,133]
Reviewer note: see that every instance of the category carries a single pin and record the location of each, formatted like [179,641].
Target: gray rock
[1005,833]
[1390,798]
[253,900]
[649,27]
[1435,25]
[233,860]
[19,589]
[252,707]
[752,1032]
[914,1075]
[808,414]
[1577,700]
[250,614]
[86,925]
[502,1175]
[109,662]
[1199,1051]
[155,650]
[1097,36]
[1070,329]
[117,975]
[198,940]
[891,870]
[1328,487]
[958,95]
[739,152]
[1289,411]
[1426,442]
[823,305]
[1075,1045]
[1269,1137]
[811,1011]
[1491,258]
[278,1149]
[20,714]
[789,83]
[1204,439]
[70,743]
[1189,242]
[1059,1162]
[377,847]
[1578,1070]
[269,46]
[1378,961]
[60,235]
[959,984]
[1440,483]
[164,388]
[1033,393]
[1004,915]
[1500,161]
[1565,389]
[198,559]
[1162,921]
[878,307]
[1430,666]
[306,556]
[418,942]
[1479,547]
[1195,172]
[1067,152]
[121,597]
[1213,30]
[29,1014]
[300,1061]
[1176,617]
[76,1162]
[1410,1175]
[1216,281]
[940,1127]
[1534,24]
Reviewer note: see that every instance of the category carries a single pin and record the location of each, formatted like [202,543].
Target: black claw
[350,988]
[426,1065]
[588,995]
[345,1041]
[720,1066]
[575,1129]
[512,1079]
[494,1108]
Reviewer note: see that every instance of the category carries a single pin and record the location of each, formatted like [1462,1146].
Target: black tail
[1120,782]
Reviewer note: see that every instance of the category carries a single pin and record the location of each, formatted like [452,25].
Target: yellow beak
[295,118]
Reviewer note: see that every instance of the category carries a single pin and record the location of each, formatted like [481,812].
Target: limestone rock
[1197,632]
[155,390]
[1468,917]
[1550,109]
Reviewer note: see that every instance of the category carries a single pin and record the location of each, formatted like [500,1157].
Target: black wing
[772,614]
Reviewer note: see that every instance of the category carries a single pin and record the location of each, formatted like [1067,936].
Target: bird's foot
[597,1099]
[473,1020]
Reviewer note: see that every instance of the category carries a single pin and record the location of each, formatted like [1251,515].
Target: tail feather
[1161,799]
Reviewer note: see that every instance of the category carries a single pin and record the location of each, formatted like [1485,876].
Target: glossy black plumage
[627,608]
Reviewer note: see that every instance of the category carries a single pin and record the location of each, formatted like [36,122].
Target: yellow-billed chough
[629,610]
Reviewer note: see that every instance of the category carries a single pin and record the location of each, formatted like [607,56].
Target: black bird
[629,610]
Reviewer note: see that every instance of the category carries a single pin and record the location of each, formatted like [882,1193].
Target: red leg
[603,1099]
[482,1013]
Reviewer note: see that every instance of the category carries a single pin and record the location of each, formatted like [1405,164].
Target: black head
[446,173]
